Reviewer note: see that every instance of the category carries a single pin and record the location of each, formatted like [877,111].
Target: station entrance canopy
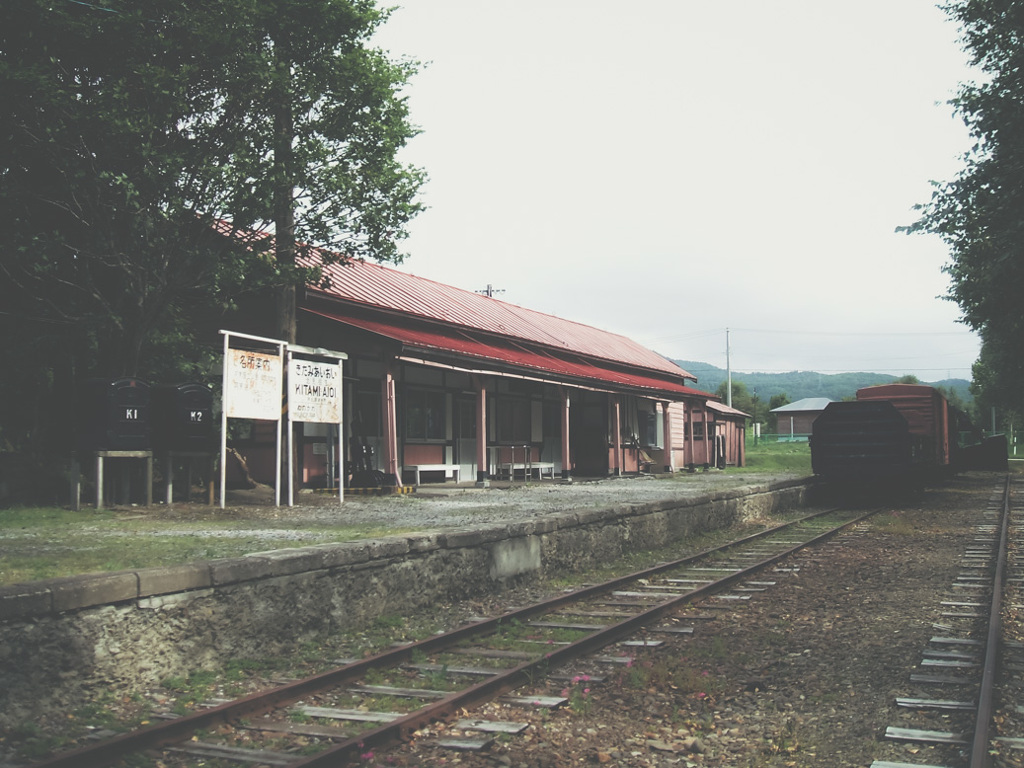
[463,349]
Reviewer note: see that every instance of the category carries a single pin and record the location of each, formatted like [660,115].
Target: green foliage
[743,399]
[578,694]
[996,377]
[681,677]
[978,213]
[128,131]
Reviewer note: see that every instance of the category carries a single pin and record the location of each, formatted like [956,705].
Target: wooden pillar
[707,439]
[617,435]
[688,418]
[388,400]
[482,469]
[666,429]
[566,459]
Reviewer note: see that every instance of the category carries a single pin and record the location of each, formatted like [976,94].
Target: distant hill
[797,385]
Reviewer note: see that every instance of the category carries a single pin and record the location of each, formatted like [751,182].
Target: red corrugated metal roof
[380,287]
[383,288]
[467,345]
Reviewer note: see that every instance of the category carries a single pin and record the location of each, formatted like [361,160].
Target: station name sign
[252,384]
[315,391]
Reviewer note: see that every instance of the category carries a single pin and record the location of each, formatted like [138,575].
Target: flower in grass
[367,756]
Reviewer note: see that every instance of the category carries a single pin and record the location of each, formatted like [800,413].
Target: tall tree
[980,213]
[313,122]
[128,129]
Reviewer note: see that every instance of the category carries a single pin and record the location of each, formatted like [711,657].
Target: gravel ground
[805,674]
[453,506]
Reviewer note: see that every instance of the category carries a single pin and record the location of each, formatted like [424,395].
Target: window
[424,415]
[467,419]
[648,423]
[514,421]
[365,413]
[698,428]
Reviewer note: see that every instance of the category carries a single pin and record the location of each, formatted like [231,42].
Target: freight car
[862,440]
[898,432]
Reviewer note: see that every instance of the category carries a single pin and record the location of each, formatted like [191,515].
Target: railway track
[366,704]
[963,702]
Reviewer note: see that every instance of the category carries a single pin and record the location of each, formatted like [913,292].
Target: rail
[782,541]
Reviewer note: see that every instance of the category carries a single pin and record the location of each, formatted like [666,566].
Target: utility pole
[728,372]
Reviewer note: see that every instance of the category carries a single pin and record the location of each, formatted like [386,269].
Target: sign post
[252,389]
[314,395]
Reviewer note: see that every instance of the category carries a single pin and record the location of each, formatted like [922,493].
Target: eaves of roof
[726,409]
[473,349]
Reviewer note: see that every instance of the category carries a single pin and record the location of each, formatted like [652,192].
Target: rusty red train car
[899,432]
[929,417]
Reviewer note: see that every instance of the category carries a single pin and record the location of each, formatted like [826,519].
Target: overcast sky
[667,169]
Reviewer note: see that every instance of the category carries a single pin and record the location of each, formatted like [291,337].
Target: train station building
[444,384]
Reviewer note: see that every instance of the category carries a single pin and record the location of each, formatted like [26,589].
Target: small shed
[796,420]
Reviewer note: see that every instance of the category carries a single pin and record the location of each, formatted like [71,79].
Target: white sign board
[315,391]
[252,388]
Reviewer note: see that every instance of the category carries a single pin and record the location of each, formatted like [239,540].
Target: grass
[44,542]
[777,457]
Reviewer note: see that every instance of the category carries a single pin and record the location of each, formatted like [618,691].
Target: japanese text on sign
[253,388]
[314,391]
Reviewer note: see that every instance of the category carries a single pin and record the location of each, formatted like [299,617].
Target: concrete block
[425,541]
[282,562]
[521,528]
[174,578]
[477,534]
[589,516]
[94,589]
[514,557]
[464,537]
[343,553]
[393,546]
[23,601]
[237,569]
[547,523]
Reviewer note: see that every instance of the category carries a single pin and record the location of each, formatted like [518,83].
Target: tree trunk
[284,186]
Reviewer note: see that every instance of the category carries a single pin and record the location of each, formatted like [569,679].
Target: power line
[721,331]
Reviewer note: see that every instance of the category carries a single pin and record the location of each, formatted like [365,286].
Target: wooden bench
[508,468]
[448,469]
